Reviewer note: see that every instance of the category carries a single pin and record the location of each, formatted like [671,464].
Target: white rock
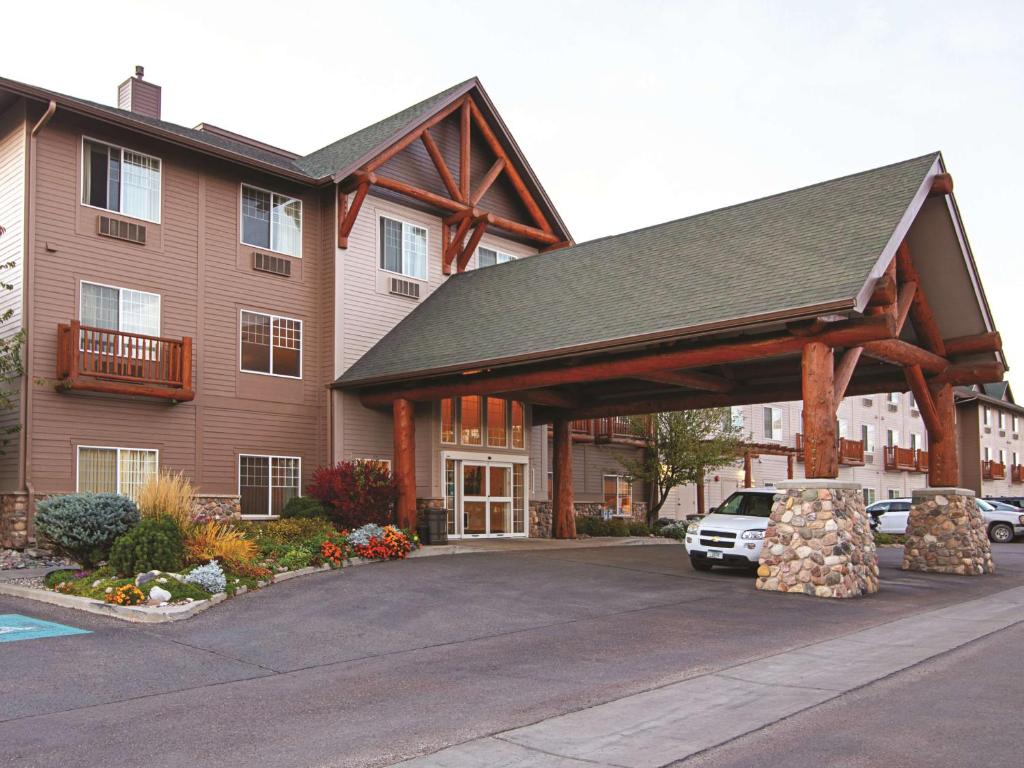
[159,594]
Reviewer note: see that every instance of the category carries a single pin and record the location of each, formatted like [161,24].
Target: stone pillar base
[818,541]
[946,534]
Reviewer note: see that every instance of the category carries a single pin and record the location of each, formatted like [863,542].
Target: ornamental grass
[168,495]
[214,540]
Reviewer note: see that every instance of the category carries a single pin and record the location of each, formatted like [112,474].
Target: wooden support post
[943,454]
[844,372]
[748,471]
[563,517]
[186,363]
[345,227]
[790,466]
[471,244]
[930,416]
[700,495]
[464,136]
[405,462]
[820,432]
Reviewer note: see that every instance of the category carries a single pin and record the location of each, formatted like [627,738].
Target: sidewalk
[673,722]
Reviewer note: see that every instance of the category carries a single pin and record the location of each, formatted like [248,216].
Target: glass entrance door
[486,498]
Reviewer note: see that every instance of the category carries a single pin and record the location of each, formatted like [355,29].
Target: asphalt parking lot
[371,665]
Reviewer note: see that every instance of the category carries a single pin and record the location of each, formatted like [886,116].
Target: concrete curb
[676,721]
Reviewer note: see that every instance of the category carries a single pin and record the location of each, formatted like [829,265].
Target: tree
[680,446]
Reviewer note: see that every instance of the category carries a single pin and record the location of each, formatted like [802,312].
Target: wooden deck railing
[993,470]
[851,452]
[118,362]
[900,459]
[1017,473]
[922,460]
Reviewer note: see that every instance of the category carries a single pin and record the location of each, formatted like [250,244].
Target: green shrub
[617,527]
[83,526]
[296,558]
[637,528]
[884,538]
[155,544]
[588,525]
[303,508]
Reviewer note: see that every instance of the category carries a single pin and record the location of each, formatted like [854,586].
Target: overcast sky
[631,113]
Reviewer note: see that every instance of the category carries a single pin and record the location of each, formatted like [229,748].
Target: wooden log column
[820,430]
[748,471]
[943,458]
[701,509]
[563,518]
[405,461]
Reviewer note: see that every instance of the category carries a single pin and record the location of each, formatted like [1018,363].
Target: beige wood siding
[13,138]
[195,261]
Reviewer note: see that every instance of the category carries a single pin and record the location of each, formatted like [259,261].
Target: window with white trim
[403,248]
[1016,423]
[772,422]
[892,438]
[893,493]
[271,344]
[893,398]
[267,483]
[1016,459]
[271,221]
[115,470]
[867,436]
[869,495]
[1002,419]
[120,180]
[618,494]
[915,441]
[986,416]
[988,453]
[736,416]
[119,309]
[488,257]
[1002,456]
[844,428]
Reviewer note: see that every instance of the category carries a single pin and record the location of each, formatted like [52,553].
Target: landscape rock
[159,595]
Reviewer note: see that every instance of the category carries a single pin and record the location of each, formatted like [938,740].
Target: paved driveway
[372,664]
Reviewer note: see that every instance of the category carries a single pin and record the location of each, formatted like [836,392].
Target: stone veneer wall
[947,534]
[540,519]
[217,507]
[819,541]
[15,526]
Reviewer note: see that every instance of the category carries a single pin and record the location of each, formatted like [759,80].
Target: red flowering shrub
[355,493]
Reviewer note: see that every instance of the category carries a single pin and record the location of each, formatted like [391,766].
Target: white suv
[890,516]
[733,533]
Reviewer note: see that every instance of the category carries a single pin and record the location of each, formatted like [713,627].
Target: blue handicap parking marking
[14,626]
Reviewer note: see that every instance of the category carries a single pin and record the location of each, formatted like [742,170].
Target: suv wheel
[700,564]
[1001,533]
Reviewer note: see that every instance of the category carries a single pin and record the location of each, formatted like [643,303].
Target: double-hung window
[271,221]
[403,248]
[120,180]
[271,344]
[772,422]
[266,483]
[488,257]
[115,470]
[618,494]
[867,436]
[892,438]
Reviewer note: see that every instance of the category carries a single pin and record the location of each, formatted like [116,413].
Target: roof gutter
[621,345]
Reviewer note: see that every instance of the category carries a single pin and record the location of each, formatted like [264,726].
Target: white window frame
[867,436]
[117,461]
[915,441]
[1016,458]
[120,202]
[272,193]
[869,495]
[1002,456]
[270,480]
[986,416]
[498,254]
[893,398]
[1016,423]
[302,344]
[892,438]
[1001,420]
[120,303]
[426,246]
[892,493]
[508,423]
[619,496]
[775,411]
[987,453]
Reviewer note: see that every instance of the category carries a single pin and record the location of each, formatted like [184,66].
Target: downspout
[28,285]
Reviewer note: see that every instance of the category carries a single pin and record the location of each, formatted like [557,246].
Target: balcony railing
[922,461]
[900,459]
[618,429]
[993,470]
[850,452]
[121,363]
[1017,473]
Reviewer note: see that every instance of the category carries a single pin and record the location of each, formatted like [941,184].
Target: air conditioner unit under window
[406,288]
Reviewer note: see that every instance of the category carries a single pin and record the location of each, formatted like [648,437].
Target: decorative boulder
[159,595]
[144,578]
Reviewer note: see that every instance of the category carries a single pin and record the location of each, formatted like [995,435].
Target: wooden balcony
[993,470]
[900,459]
[120,363]
[617,429]
[851,452]
[922,461]
[1017,473]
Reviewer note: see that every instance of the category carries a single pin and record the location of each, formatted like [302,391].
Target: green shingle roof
[799,249]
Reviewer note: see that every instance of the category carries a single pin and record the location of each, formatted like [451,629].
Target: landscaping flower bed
[138,560]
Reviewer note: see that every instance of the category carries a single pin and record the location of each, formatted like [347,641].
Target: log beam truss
[466,223]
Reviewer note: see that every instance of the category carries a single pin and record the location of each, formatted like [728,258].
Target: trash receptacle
[435,527]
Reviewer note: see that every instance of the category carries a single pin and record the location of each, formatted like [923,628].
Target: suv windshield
[983,505]
[753,504]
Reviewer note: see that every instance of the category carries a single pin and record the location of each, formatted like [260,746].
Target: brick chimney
[138,96]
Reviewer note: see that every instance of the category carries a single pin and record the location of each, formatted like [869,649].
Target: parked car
[1013,501]
[890,516]
[733,533]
